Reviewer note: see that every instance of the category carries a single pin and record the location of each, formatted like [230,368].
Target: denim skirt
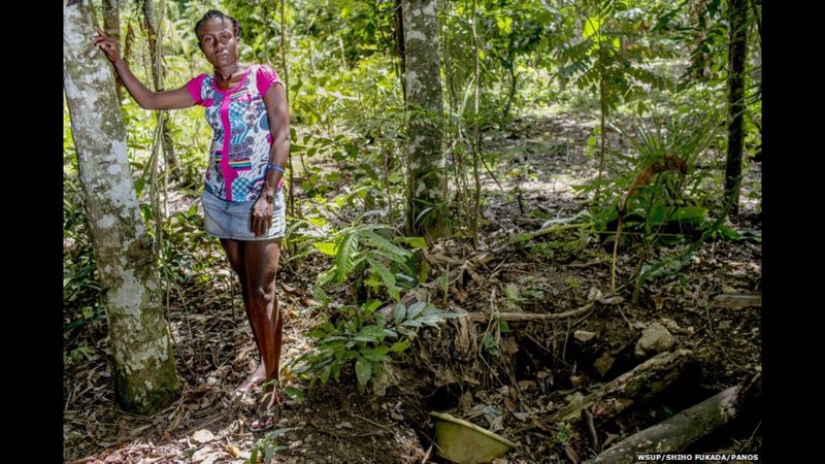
[232,220]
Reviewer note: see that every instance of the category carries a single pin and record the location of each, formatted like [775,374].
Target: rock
[670,324]
[594,294]
[202,436]
[583,335]
[655,339]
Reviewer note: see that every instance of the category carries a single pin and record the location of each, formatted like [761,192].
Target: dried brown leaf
[511,405]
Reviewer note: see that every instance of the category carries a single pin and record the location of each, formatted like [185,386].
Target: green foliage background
[348,124]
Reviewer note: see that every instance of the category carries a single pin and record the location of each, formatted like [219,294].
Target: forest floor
[512,379]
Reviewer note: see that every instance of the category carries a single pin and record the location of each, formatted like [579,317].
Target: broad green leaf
[377,354]
[415,242]
[431,319]
[415,309]
[327,248]
[400,346]
[399,313]
[504,24]
[363,370]
[591,27]
[370,334]
[371,306]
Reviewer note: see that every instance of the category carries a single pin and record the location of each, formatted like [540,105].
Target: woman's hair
[236,26]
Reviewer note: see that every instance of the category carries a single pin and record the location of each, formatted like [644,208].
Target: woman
[243,199]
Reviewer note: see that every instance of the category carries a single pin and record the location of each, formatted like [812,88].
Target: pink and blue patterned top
[240,128]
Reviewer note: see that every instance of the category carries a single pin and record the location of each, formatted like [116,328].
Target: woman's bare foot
[269,408]
[254,379]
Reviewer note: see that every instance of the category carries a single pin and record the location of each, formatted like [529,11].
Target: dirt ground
[511,379]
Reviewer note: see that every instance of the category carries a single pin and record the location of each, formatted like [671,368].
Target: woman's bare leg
[235,254]
[260,259]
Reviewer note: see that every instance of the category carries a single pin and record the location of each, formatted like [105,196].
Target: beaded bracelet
[275,167]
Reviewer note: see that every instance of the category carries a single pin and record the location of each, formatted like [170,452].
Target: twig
[427,455]
[371,422]
[744,447]
[481,316]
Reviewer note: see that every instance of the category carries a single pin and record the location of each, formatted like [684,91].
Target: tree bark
[151,24]
[144,364]
[678,432]
[426,180]
[738,13]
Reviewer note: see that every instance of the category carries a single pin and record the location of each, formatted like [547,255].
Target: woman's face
[218,42]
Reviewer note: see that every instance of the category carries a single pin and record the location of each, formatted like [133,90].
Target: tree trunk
[111,24]
[678,432]
[738,11]
[636,386]
[399,44]
[151,24]
[426,181]
[699,58]
[144,364]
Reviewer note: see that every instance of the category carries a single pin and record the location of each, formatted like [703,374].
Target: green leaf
[371,305]
[363,370]
[345,256]
[390,250]
[504,24]
[431,319]
[294,394]
[591,27]
[370,334]
[386,277]
[399,313]
[400,346]
[415,309]
[327,248]
[415,242]
[377,354]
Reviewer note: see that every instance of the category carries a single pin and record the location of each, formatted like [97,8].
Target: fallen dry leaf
[510,405]
[233,450]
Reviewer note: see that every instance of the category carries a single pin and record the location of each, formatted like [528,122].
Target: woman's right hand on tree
[107,44]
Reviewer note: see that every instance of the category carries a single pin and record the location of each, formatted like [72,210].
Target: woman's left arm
[277,111]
